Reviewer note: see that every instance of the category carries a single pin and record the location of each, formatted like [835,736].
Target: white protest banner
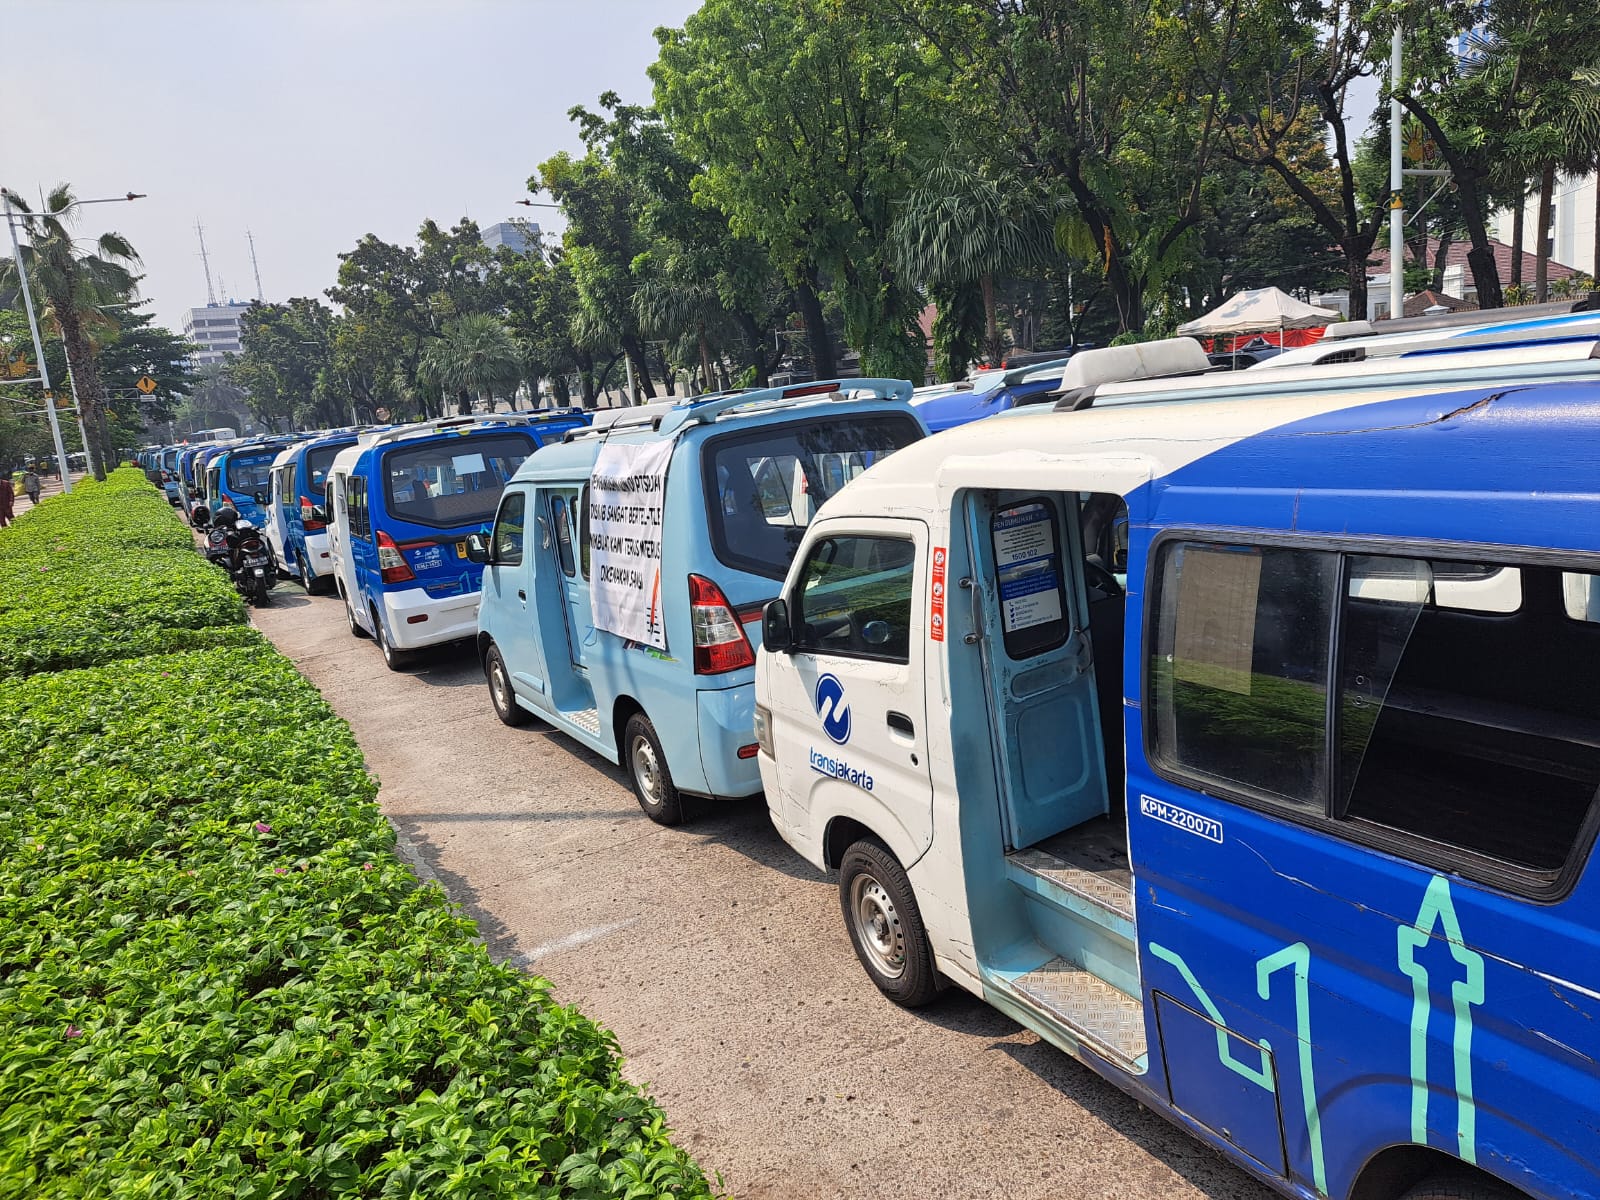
[627,493]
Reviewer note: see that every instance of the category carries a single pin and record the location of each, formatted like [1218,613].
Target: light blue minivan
[628,567]
[400,504]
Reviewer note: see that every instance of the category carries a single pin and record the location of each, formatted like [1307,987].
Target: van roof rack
[704,411]
[1168,358]
[1461,318]
[1468,366]
[395,433]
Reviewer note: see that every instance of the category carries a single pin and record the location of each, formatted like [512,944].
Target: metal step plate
[1108,1021]
[586,719]
[1103,889]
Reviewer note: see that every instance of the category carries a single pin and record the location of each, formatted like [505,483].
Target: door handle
[522,594]
[901,723]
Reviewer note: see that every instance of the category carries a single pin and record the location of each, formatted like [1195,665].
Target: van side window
[356,502]
[855,598]
[1468,723]
[508,529]
[1240,667]
[1465,731]
[583,532]
[561,525]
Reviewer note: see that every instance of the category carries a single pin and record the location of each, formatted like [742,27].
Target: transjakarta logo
[835,713]
[837,768]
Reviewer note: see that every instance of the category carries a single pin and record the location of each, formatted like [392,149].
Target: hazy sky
[308,124]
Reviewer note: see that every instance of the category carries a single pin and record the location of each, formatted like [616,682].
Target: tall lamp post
[33,324]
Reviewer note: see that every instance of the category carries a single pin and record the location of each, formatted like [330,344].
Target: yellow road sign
[146,384]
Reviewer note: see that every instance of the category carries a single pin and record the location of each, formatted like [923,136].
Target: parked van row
[1234,732]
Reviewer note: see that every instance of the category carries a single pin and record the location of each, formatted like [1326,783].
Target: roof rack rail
[395,433]
[701,412]
[1462,318]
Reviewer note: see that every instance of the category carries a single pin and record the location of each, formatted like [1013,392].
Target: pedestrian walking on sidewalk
[8,500]
[30,484]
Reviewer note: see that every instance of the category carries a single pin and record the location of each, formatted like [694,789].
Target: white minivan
[1243,746]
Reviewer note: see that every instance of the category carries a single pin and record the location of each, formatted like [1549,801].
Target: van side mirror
[259,497]
[319,512]
[478,548]
[775,632]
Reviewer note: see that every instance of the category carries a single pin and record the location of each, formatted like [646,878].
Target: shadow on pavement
[1201,1166]
[744,827]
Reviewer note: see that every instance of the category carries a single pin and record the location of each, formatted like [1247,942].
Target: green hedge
[109,572]
[217,980]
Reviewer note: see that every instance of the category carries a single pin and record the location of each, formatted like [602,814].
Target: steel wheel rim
[877,924]
[646,770]
[498,686]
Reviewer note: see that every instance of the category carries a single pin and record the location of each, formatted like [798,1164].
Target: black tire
[262,590]
[306,580]
[350,616]
[500,693]
[646,764]
[885,925]
[395,660]
[1461,1187]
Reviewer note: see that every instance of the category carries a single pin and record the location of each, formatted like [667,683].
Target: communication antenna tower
[255,266]
[211,292]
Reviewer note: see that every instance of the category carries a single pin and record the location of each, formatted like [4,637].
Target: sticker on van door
[1028,571]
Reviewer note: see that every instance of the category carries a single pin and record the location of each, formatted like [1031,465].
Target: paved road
[720,960]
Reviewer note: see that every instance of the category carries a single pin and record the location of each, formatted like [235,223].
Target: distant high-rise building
[215,330]
[520,237]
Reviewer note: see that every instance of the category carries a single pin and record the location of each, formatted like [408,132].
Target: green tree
[284,364]
[808,116]
[961,227]
[75,280]
[475,356]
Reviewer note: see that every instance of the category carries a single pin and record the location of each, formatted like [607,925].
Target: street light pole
[38,349]
[33,328]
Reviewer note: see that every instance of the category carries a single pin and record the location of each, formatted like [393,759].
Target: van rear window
[764,486]
[250,473]
[453,481]
[319,462]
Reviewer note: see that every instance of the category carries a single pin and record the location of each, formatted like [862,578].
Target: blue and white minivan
[241,476]
[1237,734]
[628,568]
[297,523]
[403,501]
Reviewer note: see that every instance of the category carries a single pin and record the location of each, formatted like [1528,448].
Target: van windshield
[454,481]
[250,473]
[764,486]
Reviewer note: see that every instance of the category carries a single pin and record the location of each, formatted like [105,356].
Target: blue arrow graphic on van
[835,713]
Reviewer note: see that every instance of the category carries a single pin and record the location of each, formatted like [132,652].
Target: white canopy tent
[1258,311]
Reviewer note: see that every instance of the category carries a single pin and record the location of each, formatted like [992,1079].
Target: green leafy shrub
[216,978]
[106,573]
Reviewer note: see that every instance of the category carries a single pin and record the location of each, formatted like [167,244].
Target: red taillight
[392,564]
[719,641]
[306,509]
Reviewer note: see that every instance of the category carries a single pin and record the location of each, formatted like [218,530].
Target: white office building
[1570,236]
[520,237]
[215,330]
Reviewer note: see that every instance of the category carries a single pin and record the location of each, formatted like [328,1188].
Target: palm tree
[474,354]
[961,227]
[76,283]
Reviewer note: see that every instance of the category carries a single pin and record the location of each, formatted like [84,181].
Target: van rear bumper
[318,558]
[449,619]
[727,723]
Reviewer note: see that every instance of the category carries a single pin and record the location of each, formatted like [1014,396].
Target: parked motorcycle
[238,548]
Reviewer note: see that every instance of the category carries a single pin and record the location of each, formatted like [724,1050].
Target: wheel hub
[646,770]
[878,926]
